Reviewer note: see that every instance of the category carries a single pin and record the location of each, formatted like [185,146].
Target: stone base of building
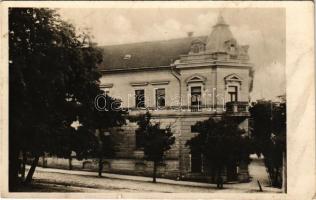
[168,169]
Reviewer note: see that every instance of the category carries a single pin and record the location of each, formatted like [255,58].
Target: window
[196,96]
[233,93]
[160,97]
[195,49]
[232,47]
[139,98]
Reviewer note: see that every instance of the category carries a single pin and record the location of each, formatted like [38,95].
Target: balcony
[196,108]
[237,108]
[176,111]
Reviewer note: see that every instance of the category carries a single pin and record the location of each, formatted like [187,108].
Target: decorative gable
[195,78]
[232,78]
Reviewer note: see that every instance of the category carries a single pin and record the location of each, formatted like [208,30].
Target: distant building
[181,81]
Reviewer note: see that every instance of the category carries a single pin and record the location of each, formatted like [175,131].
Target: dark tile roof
[145,54]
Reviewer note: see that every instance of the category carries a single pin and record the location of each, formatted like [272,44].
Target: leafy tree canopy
[156,141]
[269,135]
[53,81]
[220,141]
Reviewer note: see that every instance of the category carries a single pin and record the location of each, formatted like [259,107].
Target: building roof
[145,54]
[219,35]
[156,54]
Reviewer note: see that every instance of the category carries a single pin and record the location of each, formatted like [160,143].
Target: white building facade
[180,81]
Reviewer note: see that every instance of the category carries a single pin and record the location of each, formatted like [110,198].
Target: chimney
[190,33]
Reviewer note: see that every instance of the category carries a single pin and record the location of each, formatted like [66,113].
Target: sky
[263,29]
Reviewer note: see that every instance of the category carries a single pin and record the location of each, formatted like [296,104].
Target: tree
[106,149]
[53,81]
[111,116]
[269,135]
[156,140]
[222,143]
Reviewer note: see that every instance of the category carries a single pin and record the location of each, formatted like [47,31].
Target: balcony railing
[234,108]
[237,107]
[196,108]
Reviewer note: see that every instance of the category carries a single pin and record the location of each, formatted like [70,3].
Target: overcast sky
[261,28]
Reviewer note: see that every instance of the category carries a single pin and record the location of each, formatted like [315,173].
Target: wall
[124,138]
[123,89]
[167,169]
[243,73]
[215,79]
[214,93]
[207,91]
[129,160]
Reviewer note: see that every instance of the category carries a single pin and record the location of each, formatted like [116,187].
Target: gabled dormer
[197,46]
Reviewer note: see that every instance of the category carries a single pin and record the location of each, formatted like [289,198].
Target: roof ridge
[153,41]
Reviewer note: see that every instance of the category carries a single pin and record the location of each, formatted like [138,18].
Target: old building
[181,81]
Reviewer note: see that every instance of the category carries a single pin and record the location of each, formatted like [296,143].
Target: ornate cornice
[136,69]
[106,85]
[135,84]
[164,82]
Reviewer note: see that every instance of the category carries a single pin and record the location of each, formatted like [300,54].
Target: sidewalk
[124,177]
[117,182]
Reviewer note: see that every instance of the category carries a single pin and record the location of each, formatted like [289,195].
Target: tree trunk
[100,166]
[70,163]
[43,163]
[260,188]
[23,165]
[154,172]
[284,173]
[219,178]
[32,170]
[270,172]
[13,168]
[100,153]
[278,181]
